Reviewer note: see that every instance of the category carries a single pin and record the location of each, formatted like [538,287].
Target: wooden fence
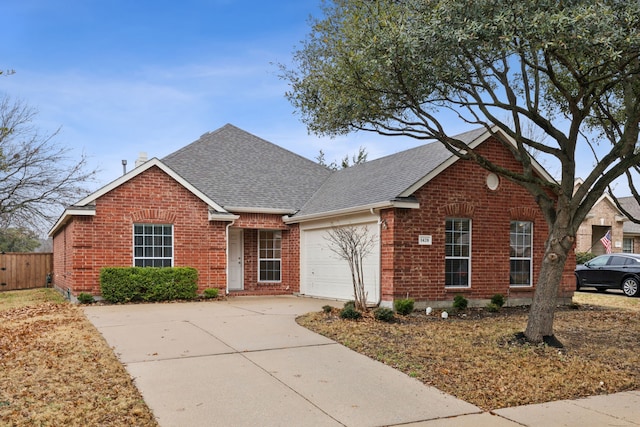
[24,270]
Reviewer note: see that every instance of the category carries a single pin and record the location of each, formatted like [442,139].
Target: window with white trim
[269,255]
[152,245]
[627,245]
[520,238]
[457,252]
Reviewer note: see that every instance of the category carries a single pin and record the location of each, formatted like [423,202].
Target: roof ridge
[242,170]
[418,147]
[228,126]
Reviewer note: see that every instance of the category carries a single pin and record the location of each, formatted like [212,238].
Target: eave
[268,211]
[473,144]
[398,203]
[222,216]
[72,211]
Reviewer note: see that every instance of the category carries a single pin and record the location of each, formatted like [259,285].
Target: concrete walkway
[245,362]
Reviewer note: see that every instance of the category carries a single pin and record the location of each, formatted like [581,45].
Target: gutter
[227,252]
[397,203]
[89,210]
[379,287]
[221,216]
[271,211]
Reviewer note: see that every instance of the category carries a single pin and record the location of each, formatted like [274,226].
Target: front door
[236,278]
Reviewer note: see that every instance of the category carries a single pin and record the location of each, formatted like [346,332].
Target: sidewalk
[245,362]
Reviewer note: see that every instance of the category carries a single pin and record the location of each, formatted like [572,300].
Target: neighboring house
[253,218]
[630,229]
[605,216]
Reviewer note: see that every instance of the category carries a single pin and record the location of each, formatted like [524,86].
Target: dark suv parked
[611,271]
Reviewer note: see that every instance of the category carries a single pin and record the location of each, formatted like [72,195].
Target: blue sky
[127,76]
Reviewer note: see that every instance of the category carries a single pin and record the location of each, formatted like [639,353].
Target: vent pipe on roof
[142,158]
[124,167]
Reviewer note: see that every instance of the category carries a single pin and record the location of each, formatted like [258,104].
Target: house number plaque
[424,239]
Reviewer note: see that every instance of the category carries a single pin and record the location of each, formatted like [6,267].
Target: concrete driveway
[245,362]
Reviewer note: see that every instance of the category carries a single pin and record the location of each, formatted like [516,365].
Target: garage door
[324,274]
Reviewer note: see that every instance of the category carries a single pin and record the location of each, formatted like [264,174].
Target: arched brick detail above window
[463,210]
[154,215]
[522,213]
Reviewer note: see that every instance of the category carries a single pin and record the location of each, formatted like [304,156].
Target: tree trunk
[541,314]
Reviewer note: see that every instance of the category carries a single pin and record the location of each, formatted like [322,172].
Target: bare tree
[353,244]
[37,176]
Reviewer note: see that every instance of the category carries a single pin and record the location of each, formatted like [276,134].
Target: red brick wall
[87,244]
[106,239]
[62,251]
[290,263]
[461,192]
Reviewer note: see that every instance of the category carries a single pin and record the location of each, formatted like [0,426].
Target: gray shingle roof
[237,169]
[630,204]
[380,180]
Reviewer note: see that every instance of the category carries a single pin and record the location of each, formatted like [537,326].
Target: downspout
[379,287]
[227,254]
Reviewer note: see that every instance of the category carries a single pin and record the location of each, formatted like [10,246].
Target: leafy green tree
[569,68]
[356,159]
[18,240]
[37,176]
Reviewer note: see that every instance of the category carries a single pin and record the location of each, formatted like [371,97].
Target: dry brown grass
[56,369]
[472,355]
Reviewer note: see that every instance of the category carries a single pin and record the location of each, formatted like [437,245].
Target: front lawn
[472,354]
[56,369]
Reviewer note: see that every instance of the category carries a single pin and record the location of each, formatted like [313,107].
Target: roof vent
[142,158]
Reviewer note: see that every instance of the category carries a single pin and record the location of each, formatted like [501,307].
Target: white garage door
[324,274]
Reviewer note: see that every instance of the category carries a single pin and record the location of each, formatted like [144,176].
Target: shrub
[85,298]
[404,306]
[498,300]
[350,313]
[351,304]
[384,314]
[582,257]
[327,308]
[128,284]
[492,307]
[460,302]
[211,293]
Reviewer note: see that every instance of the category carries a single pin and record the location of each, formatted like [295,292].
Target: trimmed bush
[384,314]
[85,298]
[460,302]
[349,304]
[350,313]
[498,300]
[327,309]
[211,293]
[130,284]
[404,306]
[492,307]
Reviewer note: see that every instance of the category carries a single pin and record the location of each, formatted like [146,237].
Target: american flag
[606,241]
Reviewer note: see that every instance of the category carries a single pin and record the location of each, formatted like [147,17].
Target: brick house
[253,219]
[605,216]
[630,229]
